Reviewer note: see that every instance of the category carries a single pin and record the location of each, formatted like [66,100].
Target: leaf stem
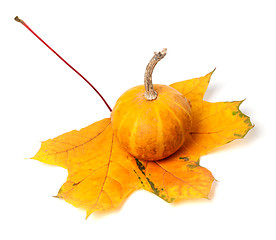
[24,24]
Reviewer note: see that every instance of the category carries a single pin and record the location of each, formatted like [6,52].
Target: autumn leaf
[101,174]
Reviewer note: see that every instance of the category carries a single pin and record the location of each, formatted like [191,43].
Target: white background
[110,43]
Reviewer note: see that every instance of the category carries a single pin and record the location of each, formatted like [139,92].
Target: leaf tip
[241,101]
[213,71]
[88,213]
[209,75]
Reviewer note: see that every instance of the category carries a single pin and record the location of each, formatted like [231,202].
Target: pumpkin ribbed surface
[151,130]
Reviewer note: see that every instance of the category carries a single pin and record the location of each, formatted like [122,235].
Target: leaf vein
[108,165]
[91,139]
[221,110]
[181,179]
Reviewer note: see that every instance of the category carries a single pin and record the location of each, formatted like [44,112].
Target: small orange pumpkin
[151,125]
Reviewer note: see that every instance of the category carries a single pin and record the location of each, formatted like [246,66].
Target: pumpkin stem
[150,94]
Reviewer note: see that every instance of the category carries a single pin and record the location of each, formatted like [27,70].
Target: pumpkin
[153,124]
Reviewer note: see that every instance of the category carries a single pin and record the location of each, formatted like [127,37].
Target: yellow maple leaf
[101,174]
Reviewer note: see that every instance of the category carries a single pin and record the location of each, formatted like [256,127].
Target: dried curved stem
[150,93]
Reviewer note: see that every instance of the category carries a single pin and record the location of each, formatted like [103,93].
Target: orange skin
[151,130]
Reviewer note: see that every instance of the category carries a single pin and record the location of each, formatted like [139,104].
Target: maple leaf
[101,174]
